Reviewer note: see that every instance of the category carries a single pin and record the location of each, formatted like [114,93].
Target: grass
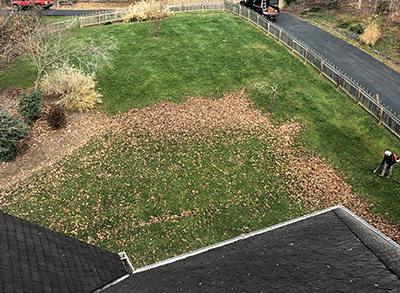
[214,59]
[19,74]
[155,199]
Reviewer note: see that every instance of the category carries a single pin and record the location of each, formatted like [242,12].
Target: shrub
[344,23]
[29,106]
[315,9]
[312,9]
[73,89]
[12,129]
[146,10]
[57,118]
[371,34]
[395,16]
[333,4]
[383,7]
[357,29]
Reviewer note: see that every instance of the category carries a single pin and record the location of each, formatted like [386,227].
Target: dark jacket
[390,160]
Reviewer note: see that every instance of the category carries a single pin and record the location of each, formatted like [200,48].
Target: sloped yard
[170,178]
[191,159]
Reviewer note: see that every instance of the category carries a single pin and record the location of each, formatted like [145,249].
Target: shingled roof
[328,251]
[36,259]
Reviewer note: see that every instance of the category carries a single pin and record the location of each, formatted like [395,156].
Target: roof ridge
[382,246]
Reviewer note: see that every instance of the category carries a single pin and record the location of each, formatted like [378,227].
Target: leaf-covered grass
[158,198]
[155,198]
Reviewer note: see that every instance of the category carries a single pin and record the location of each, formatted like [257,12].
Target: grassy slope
[199,54]
[206,55]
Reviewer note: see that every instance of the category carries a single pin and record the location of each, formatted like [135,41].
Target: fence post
[338,82]
[268,27]
[258,20]
[358,96]
[182,7]
[322,67]
[306,56]
[380,110]
[280,36]
[379,114]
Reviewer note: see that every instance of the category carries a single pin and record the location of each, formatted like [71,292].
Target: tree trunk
[272,102]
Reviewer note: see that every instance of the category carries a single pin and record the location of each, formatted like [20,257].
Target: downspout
[128,265]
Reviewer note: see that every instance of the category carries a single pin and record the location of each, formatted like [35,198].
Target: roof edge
[232,240]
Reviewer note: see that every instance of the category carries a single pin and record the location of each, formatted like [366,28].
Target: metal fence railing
[358,93]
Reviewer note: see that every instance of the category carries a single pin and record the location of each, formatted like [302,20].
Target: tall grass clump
[371,34]
[73,89]
[147,10]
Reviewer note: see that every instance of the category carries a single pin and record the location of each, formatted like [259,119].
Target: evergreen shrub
[12,129]
[29,106]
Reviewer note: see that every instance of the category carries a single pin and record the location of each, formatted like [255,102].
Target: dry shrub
[371,34]
[56,118]
[395,17]
[147,10]
[73,89]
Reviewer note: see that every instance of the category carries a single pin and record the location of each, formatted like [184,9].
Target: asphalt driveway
[375,76]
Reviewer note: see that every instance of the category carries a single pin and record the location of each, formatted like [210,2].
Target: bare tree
[273,89]
[48,48]
[12,28]
[155,23]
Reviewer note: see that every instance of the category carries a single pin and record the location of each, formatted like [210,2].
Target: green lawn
[157,198]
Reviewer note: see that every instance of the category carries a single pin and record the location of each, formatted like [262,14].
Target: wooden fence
[354,90]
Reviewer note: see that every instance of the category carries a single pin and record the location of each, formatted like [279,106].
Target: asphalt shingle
[36,259]
[321,253]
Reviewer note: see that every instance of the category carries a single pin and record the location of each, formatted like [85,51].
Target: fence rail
[353,89]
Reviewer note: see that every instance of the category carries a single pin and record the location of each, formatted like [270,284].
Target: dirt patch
[111,5]
[43,146]
[92,6]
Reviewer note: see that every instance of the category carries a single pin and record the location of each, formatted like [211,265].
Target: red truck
[21,4]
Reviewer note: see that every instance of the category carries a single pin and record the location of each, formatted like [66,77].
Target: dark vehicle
[263,7]
[21,4]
